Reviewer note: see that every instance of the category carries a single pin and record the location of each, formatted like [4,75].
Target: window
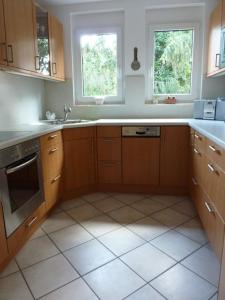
[174,70]
[98,66]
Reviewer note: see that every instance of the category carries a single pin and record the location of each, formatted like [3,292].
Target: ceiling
[64,2]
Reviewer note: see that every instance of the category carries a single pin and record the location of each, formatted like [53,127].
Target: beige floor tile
[121,241]
[205,263]
[148,228]
[148,206]
[129,198]
[147,261]
[84,212]
[194,230]
[126,215]
[49,275]
[185,207]
[170,217]
[95,197]
[14,287]
[9,269]
[215,297]
[179,283]
[89,256]
[56,222]
[35,251]
[38,233]
[69,204]
[146,293]
[175,244]
[168,200]
[108,204]
[76,290]
[70,237]
[56,210]
[100,225]
[113,281]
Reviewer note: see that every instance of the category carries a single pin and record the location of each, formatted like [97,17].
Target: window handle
[217,64]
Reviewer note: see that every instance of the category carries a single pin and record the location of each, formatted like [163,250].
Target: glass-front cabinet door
[42,59]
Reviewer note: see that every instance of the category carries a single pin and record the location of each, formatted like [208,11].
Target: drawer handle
[52,136]
[214,149]
[210,210]
[197,152]
[108,164]
[194,181]
[211,168]
[52,150]
[56,178]
[32,222]
[198,137]
[107,141]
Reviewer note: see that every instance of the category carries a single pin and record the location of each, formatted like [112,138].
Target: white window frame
[196,65]
[77,74]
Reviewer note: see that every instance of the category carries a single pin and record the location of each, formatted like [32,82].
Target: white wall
[21,100]
[137,16]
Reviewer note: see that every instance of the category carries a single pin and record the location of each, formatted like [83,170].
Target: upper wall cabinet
[56,47]
[3,58]
[20,39]
[31,42]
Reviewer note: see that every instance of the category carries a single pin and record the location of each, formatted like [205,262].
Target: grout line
[142,288]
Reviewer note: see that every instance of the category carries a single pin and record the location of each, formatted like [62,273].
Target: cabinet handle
[210,210]
[217,64]
[3,45]
[107,141]
[54,68]
[197,152]
[56,178]
[37,63]
[211,168]
[198,137]
[214,149]
[10,47]
[52,150]
[51,137]
[108,164]
[32,222]
[194,181]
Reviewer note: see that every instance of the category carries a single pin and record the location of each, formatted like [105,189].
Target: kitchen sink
[65,122]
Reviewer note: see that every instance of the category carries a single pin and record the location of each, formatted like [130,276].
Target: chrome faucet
[67,111]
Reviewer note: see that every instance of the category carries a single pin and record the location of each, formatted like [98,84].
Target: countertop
[214,130]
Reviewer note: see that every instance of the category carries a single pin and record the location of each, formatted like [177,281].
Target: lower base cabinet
[109,172]
[3,248]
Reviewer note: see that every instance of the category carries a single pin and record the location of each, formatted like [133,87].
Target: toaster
[205,109]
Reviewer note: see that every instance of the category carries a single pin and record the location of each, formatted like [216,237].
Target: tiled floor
[116,246]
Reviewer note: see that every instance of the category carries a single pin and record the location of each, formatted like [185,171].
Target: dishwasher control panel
[141,131]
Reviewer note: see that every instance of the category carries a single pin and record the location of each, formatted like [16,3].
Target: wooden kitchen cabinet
[56,38]
[109,172]
[52,166]
[20,35]
[3,58]
[3,248]
[174,156]
[214,40]
[79,157]
[140,160]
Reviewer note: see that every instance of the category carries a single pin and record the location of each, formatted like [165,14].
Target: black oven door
[21,187]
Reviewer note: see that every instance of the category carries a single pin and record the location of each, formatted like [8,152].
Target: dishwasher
[141,155]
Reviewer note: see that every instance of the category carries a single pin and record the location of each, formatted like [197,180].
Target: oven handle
[17,168]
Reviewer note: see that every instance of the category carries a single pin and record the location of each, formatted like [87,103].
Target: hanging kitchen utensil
[135,64]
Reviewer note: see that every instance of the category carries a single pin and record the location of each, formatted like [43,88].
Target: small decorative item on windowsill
[99,100]
[170,100]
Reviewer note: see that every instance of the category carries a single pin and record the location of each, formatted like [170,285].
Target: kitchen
[112,149]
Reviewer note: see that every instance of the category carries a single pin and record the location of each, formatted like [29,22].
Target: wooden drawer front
[18,238]
[109,149]
[109,131]
[52,161]
[109,172]
[215,153]
[53,191]
[198,162]
[78,133]
[215,186]
[51,139]
[212,223]
[199,142]
[192,137]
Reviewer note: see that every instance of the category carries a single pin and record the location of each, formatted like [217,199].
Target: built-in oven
[21,190]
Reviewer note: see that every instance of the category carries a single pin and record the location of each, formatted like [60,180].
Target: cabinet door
[174,156]
[214,40]
[3,59]
[19,23]
[79,163]
[3,248]
[56,48]
[140,160]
